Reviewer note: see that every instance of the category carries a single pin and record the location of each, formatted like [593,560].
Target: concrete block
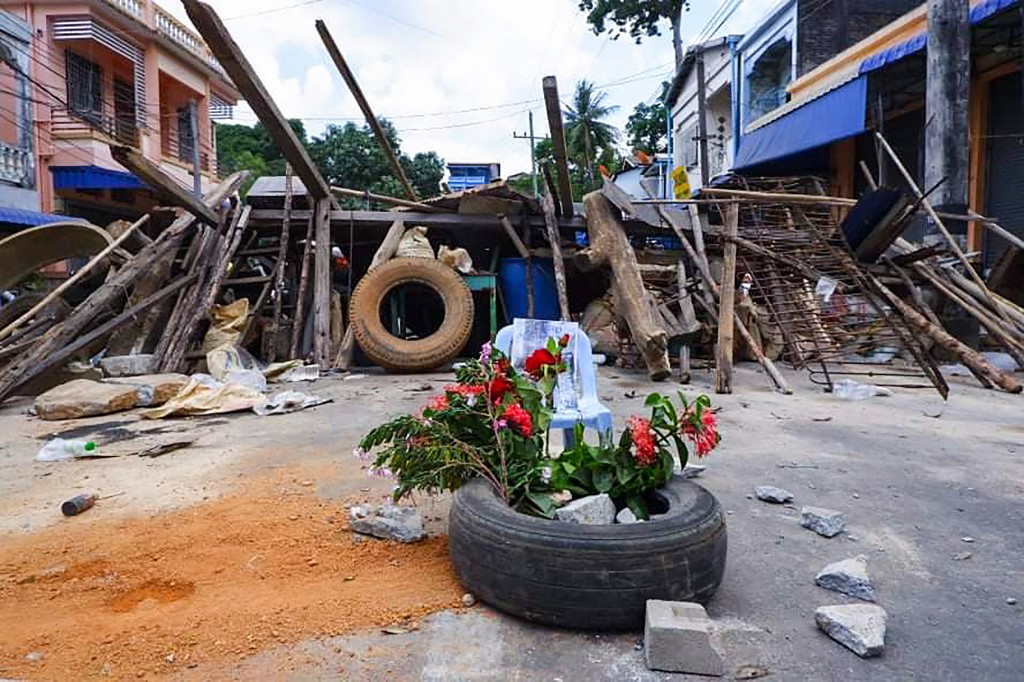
[679,638]
[127,365]
[153,389]
[84,398]
[590,510]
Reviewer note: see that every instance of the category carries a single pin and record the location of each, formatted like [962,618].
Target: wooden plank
[231,58]
[163,184]
[322,284]
[270,350]
[364,106]
[385,199]
[724,350]
[299,321]
[510,230]
[619,198]
[272,217]
[553,106]
[548,206]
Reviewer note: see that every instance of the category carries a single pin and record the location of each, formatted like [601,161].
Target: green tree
[242,147]
[637,19]
[424,170]
[587,135]
[646,125]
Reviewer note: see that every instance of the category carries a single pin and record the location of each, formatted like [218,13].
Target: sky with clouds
[455,77]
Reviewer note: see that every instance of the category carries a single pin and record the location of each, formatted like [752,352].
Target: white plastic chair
[589,409]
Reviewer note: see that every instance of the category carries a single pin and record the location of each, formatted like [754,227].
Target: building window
[85,88]
[768,80]
[185,136]
[125,126]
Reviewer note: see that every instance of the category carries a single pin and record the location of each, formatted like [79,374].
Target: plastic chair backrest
[583,360]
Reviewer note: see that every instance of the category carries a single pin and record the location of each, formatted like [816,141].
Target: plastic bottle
[59,449]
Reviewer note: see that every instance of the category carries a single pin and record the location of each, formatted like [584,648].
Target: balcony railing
[67,124]
[15,164]
[159,19]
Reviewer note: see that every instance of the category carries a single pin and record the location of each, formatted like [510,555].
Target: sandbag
[414,244]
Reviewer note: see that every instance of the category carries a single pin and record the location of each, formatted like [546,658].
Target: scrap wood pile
[147,305]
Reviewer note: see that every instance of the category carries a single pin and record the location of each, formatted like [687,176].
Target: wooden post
[548,206]
[270,349]
[553,106]
[723,353]
[299,318]
[322,283]
[364,106]
[385,251]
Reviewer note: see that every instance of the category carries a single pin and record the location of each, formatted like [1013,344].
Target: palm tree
[586,135]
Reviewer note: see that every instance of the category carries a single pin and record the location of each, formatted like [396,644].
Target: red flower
[502,365]
[564,341]
[538,360]
[519,419]
[705,435]
[468,393]
[498,388]
[438,403]
[644,449]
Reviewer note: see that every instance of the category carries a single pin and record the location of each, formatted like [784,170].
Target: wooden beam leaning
[555,237]
[385,199]
[270,348]
[163,184]
[322,283]
[723,352]
[299,317]
[231,58]
[364,105]
[553,106]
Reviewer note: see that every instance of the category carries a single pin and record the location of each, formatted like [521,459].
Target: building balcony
[15,164]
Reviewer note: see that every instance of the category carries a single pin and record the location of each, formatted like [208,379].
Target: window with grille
[186,138]
[85,87]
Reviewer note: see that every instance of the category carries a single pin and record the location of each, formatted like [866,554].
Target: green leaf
[653,399]
[543,503]
[637,505]
[603,480]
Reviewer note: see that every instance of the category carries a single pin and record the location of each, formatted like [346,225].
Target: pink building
[76,76]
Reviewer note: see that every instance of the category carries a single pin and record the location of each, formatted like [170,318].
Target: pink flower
[485,352]
[468,393]
[644,449]
[520,419]
[704,435]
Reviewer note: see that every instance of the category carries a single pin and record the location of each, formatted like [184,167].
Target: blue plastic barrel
[512,274]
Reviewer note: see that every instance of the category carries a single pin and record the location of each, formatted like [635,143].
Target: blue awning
[93,177]
[983,10]
[19,216]
[836,115]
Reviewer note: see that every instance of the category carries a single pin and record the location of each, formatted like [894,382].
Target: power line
[272,11]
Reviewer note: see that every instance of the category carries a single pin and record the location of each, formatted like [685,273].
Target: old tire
[587,577]
[416,355]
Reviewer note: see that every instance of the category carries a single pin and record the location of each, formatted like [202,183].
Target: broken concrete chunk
[769,493]
[84,398]
[153,389]
[389,522]
[826,522]
[626,515]
[590,510]
[858,627]
[849,576]
[128,365]
[679,638]
[693,470]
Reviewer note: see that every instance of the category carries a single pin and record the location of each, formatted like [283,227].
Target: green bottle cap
[90,446]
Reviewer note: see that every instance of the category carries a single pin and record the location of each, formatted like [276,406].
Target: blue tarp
[980,12]
[836,115]
[19,216]
[93,177]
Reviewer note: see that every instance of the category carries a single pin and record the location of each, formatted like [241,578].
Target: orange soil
[216,582]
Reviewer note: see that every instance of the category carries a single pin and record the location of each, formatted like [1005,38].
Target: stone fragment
[84,398]
[590,510]
[826,522]
[128,365]
[967,538]
[693,470]
[626,515]
[153,389]
[389,522]
[1011,601]
[468,600]
[679,638]
[769,493]
[858,627]
[849,576]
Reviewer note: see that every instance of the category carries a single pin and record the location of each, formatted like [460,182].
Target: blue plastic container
[512,274]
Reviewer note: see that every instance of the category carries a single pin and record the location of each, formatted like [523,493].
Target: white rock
[403,524]
[858,627]
[693,470]
[590,510]
[849,576]
[626,515]
[826,522]
[769,493]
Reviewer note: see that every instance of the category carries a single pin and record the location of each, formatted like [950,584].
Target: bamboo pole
[385,199]
[73,279]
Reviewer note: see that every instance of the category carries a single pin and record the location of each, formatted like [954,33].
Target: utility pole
[702,124]
[197,175]
[533,153]
[946,133]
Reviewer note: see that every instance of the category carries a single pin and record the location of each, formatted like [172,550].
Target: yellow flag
[682,183]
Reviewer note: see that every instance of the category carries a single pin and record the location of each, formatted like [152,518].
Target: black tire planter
[587,577]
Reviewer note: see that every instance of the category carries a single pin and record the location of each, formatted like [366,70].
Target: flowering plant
[493,423]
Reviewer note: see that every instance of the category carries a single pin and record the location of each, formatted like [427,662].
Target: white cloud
[415,58]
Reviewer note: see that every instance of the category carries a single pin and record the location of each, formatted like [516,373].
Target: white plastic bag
[848,389]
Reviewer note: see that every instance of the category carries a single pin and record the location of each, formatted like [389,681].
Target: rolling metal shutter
[1005,163]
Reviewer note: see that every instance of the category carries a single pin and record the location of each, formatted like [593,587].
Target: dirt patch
[213,583]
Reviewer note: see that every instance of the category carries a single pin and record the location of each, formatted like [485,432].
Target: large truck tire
[411,355]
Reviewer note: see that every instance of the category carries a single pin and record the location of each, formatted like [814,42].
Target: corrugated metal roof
[19,216]
[93,177]
[792,105]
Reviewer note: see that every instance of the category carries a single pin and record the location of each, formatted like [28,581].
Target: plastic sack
[227,322]
[414,244]
[848,389]
[457,259]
